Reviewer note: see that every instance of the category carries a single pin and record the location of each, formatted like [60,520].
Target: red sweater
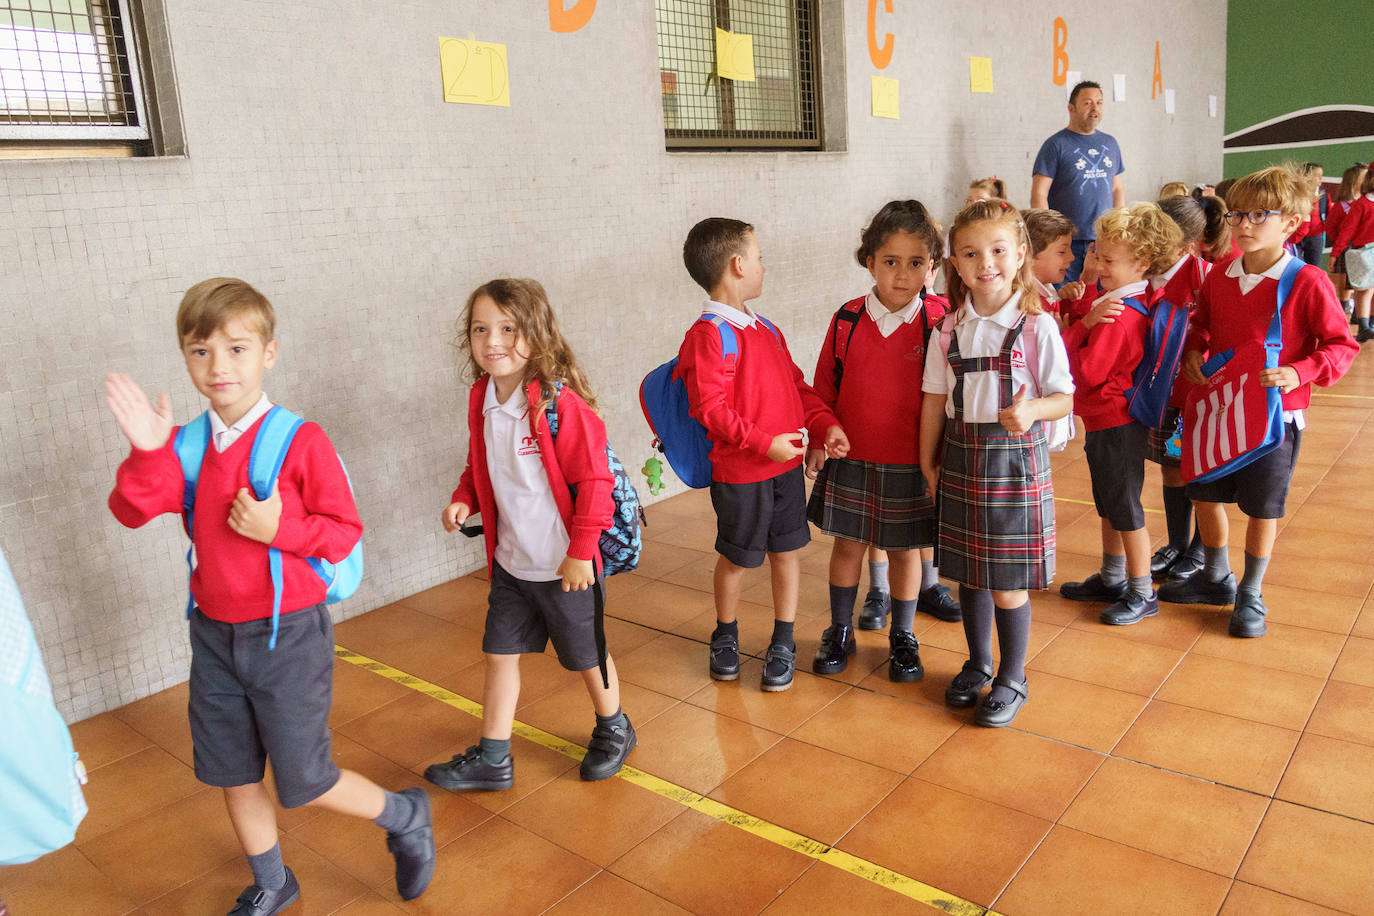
[231,581]
[1335,215]
[1357,227]
[879,400]
[1183,287]
[1315,334]
[577,459]
[768,396]
[1103,359]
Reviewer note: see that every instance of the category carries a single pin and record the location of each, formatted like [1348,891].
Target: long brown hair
[993,211]
[551,360]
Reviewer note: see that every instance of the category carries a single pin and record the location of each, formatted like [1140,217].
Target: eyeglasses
[1256,217]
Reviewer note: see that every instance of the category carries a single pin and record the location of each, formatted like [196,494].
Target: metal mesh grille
[66,63]
[780,108]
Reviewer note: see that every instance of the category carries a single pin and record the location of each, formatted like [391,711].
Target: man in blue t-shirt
[1078,171]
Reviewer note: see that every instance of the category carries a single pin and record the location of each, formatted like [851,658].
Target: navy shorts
[1116,464]
[248,703]
[756,519]
[523,617]
[1260,489]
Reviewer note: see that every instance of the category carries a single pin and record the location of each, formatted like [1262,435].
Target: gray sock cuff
[903,614]
[1254,573]
[1216,562]
[1113,570]
[1140,586]
[877,575]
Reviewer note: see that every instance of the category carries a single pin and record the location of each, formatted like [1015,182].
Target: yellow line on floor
[781,836]
[1089,502]
[1355,397]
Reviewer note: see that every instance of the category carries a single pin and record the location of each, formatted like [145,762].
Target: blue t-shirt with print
[1081,167]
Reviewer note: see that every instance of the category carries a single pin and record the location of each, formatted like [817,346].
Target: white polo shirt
[225,436]
[979,336]
[888,321]
[531,540]
[1159,281]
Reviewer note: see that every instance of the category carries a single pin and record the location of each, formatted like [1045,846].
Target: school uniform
[1334,217]
[1179,285]
[1235,308]
[876,494]
[1103,361]
[1049,297]
[1357,227]
[995,499]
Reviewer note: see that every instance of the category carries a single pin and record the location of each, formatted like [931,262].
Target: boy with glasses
[1234,307]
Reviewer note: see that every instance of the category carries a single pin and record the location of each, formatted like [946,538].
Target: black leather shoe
[1163,558]
[1199,589]
[607,750]
[837,644]
[904,657]
[1130,609]
[778,664]
[1185,567]
[469,772]
[1092,589]
[939,603]
[1247,619]
[1000,712]
[258,901]
[964,690]
[877,605]
[413,850]
[724,657]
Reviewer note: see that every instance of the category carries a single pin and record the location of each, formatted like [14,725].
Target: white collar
[1237,268]
[1160,280]
[1369,196]
[1047,292]
[517,405]
[1006,316]
[877,311]
[245,422]
[740,319]
[1122,292]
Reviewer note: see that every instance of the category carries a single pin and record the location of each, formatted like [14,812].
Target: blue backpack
[1147,400]
[663,398]
[275,434]
[40,775]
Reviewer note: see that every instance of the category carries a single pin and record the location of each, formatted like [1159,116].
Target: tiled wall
[324,168]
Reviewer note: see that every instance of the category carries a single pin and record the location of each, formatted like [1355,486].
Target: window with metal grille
[779,108]
[69,72]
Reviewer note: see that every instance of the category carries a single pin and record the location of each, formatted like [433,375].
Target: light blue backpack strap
[729,344]
[1273,340]
[275,433]
[190,444]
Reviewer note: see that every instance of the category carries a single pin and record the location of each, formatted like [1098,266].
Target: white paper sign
[1212,106]
[1071,78]
[1168,101]
[1119,87]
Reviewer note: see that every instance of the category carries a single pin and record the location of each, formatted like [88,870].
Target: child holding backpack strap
[251,701]
[1236,308]
[875,495]
[545,496]
[1105,349]
[989,403]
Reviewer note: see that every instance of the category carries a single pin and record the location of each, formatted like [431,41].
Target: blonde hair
[1004,214]
[211,304]
[992,185]
[551,360]
[1146,232]
[1173,189]
[1280,187]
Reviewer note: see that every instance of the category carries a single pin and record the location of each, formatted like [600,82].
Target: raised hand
[146,427]
[1104,312]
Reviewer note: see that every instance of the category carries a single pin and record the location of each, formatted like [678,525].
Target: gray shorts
[248,703]
[522,617]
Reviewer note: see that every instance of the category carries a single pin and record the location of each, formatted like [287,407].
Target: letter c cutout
[880,55]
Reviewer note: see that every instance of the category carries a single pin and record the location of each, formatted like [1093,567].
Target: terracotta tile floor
[1161,768]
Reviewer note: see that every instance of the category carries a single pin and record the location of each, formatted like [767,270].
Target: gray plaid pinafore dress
[995,501]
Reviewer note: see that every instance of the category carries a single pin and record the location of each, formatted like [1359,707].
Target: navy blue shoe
[259,901]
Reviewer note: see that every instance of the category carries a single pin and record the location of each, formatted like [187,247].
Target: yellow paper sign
[474,72]
[980,74]
[735,56]
[885,98]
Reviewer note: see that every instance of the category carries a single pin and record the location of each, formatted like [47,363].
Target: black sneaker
[1163,559]
[1092,589]
[1247,619]
[1199,589]
[258,901]
[778,664]
[837,644]
[939,603]
[904,659]
[607,750]
[413,849]
[468,772]
[877,605]
[724,657]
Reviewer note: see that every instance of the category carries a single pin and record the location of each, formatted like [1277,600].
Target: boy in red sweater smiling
[754,411]
[248,701]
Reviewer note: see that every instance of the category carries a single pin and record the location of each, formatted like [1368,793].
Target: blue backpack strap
[729,343]
[1273,340]
[275,434]
[190,444]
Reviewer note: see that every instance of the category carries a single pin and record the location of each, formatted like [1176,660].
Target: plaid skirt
[1157,444]
[1338,265]
[886,505]
[995,508]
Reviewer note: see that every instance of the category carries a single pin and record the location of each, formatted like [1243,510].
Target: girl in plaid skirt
[876,494]
[995,371]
